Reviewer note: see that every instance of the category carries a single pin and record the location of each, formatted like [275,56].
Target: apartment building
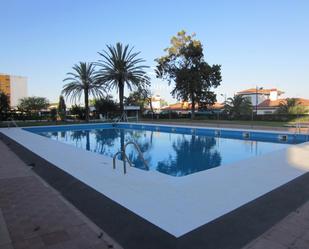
[15,87]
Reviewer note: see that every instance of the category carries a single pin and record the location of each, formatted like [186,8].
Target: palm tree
[291,106]
[121,67]
[237,106]
[83,80]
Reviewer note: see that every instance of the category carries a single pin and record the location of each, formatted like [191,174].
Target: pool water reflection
[169,153]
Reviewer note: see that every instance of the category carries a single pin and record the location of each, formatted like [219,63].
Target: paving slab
[33,215]
[292,232]
[5,238]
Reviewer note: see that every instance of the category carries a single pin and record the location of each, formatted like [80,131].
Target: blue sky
[264,43]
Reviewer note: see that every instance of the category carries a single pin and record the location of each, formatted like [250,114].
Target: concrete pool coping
[183,230]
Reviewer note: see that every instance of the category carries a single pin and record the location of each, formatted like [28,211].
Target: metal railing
[299,126]
[123,117]
[126,158]
[12,121]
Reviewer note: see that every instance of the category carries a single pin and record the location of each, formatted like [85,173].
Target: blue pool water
[172,153]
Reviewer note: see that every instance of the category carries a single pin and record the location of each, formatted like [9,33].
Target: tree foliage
[238,106]
[163,103]
[141,97]
[78,110]
[105,105]
[33,104]
[291,106]
[121,67]
[62,108]
[53,114]
[4,105]
[4,102]
[83,81]
[184,65]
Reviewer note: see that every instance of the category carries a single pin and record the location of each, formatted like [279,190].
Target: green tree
[184,64]
[141,97]
[135,98]
[238,106]
[291,106]
[4,105]
[33,104]
[147,97]
[83,81]
[105,105]
[78,110]
[53,114]
[163,103]
[62,108]
[121,67]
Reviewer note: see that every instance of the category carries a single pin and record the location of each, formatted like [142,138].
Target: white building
[268,100]
[156,102]
[260,95]
[271,106]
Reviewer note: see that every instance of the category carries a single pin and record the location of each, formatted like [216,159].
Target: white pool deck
[178,205]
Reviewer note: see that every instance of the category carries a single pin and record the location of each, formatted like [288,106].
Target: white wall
[273,95]
[156,104]
[266,111]
[19,89]
[252,98]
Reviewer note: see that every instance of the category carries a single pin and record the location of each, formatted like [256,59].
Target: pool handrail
[125,157]
[11,121]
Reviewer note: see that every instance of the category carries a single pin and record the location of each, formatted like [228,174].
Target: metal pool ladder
[125,157]
[123,117]
[12,121]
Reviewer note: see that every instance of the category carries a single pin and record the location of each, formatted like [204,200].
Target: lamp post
[257,89]
[223,95]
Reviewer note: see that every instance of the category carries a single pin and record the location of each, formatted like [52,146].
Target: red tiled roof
[190,106]
[187,106]
[275,103]
[176,106]
[260,91]
[216,106]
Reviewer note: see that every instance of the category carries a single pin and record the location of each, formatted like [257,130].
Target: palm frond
[119,65]
[83,79]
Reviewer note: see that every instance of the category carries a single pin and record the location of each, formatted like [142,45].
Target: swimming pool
[176,151]
[183,200]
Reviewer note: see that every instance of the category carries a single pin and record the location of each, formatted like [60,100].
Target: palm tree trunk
[121,96]
[151,106]
[192,107]
[86,105]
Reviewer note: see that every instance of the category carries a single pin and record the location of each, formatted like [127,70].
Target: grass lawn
[223,122]
[40,123]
